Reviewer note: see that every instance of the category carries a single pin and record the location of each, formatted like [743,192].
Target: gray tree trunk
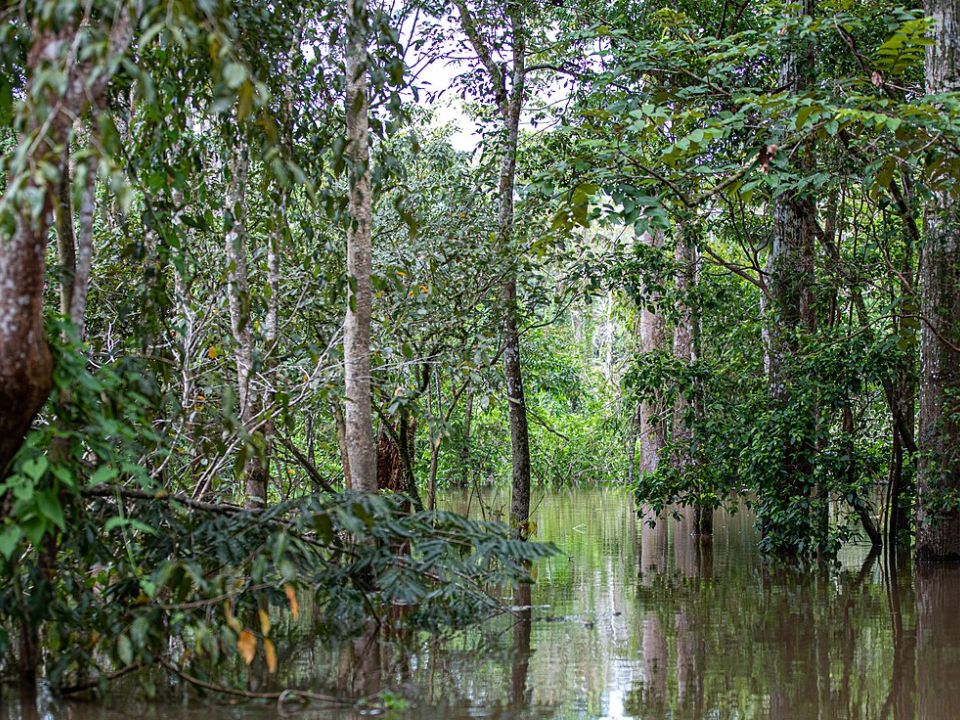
[509,97]
[938,472]
[465,449]
[653,338]
[686,337]
[238,299]
[361,447]
[791,281]
[519,433]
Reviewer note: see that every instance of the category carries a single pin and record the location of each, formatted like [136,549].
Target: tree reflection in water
[652,622]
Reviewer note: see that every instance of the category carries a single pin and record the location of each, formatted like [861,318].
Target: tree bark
[938,472]
[361,449]
[632,434]
[83,258]
[342,443]
[465,450]
[509,98]
[26,365]
[653,338]
[791,311]
[238,299]
[686,349]
[902,398]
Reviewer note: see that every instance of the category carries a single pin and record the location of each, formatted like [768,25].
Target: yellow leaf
[292,598]
[264,622]
[247,645]
[212,352]
[232,621]
[271,652]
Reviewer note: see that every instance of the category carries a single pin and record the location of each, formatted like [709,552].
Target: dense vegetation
[257,308]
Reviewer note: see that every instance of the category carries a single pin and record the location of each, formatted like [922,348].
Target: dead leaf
[271,652]
[292,598]
[264,622]
[232,621]
[247,645]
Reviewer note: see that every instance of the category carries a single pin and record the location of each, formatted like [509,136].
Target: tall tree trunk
[685,348]
[271,337]
[436,438]
[361,449]
[902,396]
[26,366]
[465,449]
[519,434]
[66,245]
[938,472]
[653,338]
[509,98]
[238,299]
[791,281]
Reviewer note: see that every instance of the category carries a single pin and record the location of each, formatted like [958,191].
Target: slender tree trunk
[66,245]
[632,434]
[465,448]
[271,337]
[435,439]
[685,348]
[342,443]
[653,338]
[361,448]
[84,245]
[238,298]
[938,472]
[902,401]
[509,97]
[519,434]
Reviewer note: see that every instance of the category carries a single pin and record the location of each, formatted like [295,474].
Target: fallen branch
[91,684]
[281,696]
[134,494]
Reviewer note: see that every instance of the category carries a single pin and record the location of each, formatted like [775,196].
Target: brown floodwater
[636,621]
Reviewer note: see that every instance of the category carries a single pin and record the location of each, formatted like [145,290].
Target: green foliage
[200,573]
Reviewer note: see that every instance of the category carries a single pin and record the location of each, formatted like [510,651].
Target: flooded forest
[520,359]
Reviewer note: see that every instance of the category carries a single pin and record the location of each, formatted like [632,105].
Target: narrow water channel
[648,622]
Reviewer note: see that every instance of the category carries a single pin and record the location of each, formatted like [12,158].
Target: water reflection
[641,619]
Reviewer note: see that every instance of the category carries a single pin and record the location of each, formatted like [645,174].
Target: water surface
[646,622]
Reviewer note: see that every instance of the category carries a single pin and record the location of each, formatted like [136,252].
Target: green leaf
[102,475]
[9,539]
[49,505]
[234,74]
[124,650]
[35,467]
